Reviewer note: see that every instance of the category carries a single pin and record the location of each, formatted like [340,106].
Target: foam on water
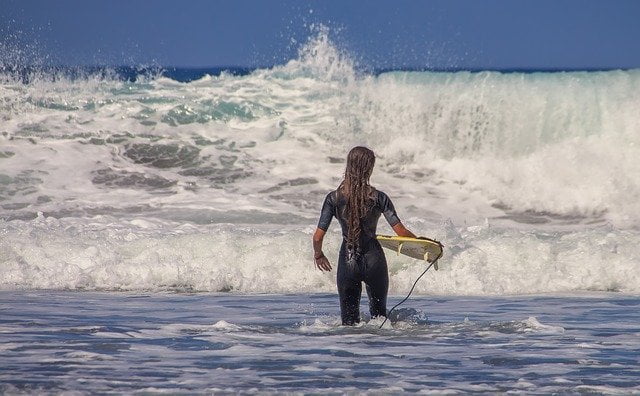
[530,180]
[112,254]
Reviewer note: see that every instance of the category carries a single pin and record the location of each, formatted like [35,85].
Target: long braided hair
[357,191]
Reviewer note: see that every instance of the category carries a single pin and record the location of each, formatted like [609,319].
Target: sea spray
[531,180]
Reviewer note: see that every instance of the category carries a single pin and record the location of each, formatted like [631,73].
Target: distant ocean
[189,74]
[155,228]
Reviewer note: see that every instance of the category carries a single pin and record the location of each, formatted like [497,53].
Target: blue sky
[459,34]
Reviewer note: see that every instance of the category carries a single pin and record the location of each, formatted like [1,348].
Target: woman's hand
[322,263]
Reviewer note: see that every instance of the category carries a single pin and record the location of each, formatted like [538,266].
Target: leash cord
[414,285]
[407,297]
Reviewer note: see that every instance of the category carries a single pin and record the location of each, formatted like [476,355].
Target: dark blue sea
[203,343]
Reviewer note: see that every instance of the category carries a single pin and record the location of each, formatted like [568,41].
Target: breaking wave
[215,184]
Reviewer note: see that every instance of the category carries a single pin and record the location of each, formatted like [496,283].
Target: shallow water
[54,341]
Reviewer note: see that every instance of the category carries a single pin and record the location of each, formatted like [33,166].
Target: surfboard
[418,248]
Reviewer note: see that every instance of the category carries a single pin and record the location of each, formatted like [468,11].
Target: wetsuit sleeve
[328,210]
[386,206]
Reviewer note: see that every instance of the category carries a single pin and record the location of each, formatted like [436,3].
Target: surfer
[358,206]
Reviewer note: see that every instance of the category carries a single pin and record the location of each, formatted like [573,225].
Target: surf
[529,179]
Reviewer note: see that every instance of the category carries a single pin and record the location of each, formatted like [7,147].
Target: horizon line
[380,70]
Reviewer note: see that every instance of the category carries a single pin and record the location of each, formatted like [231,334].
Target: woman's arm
[389,212]
[321,261]
[402,231]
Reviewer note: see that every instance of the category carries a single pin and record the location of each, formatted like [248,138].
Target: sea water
[155,232]
[99,342]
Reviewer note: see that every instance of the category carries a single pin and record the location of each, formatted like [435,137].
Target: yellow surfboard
[418,248]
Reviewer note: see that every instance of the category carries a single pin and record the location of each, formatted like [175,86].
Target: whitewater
[155,234]
[530,180]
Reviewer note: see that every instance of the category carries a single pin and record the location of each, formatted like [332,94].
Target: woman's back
[335,204]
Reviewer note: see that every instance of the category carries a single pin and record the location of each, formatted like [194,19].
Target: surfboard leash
[434,262]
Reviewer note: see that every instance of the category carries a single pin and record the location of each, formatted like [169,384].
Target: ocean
[155,229]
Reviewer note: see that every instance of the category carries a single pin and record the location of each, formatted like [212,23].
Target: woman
[358,206]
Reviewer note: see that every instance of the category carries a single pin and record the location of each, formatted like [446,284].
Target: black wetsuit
[368,265]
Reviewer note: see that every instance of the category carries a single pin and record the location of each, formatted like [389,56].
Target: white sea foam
[117,185]
[92,254]
[533,325]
